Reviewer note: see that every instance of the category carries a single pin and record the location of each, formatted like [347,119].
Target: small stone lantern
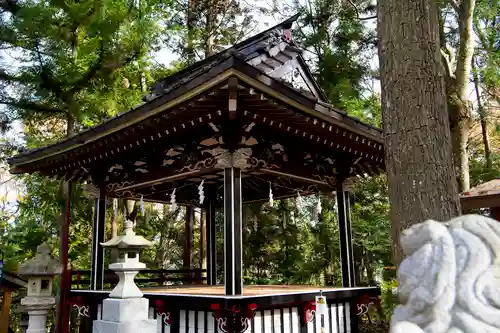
[129,246]
[40,272]
[126,311]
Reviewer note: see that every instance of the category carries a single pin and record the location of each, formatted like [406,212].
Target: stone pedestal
[128,315]
[126,311]
[38,310]
[38,321]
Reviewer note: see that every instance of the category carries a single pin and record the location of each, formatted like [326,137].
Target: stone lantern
[40,272]
[126,310]
[129,246]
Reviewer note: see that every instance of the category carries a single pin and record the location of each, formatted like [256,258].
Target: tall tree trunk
[460,125]
[458,97]
[483,122]
[210,27]
[369,271]
[191,32]
[188,240]
[72,110]
[161,251]
[420,173]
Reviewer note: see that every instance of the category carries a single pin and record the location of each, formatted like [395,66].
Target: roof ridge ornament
[277,36]
[225,159]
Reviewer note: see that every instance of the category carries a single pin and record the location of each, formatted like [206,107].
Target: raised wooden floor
[249,290]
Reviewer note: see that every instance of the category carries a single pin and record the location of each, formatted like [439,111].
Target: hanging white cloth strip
[173,204]
[271,199]
[300,202]
[115,207]
[319,209]
[141,203]
[200,192]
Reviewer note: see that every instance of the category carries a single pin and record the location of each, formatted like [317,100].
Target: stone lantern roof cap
[128,240]
[43,264]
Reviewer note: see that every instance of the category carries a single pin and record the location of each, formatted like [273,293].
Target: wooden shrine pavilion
[236,125]
[486,195]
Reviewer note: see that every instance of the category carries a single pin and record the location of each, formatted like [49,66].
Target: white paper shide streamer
[141,204]
[271,199]
[173,204]
[300,202]
[115,207]
[319,209]
[200,192]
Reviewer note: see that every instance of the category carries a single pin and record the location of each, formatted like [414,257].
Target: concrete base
[128,315]
[37,321]
[138,326]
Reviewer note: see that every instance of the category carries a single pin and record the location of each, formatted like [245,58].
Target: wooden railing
[80,279]
[177,313]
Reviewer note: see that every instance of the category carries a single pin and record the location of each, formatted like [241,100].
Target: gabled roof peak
[272,51]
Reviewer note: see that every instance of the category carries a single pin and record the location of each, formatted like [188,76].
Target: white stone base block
[129,315]
[37,321]
[128,309]
[136,326]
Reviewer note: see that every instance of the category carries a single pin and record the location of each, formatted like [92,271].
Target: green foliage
[88,63]
[69,70]
[342,47]
[487,52]
[371,223]
[479,172]
[40,219]
[200,28]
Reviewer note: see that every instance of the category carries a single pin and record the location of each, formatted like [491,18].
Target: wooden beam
[294,176]
[156,181]
[495,213]
[5,314]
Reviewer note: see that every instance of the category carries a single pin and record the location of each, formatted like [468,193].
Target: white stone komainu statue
[450,280]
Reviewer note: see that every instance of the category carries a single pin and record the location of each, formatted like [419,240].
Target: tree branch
[367,18]
[466,46]
[83,81]
[357,12]
[31,106]
[447,64]
[104,67]
[10,6]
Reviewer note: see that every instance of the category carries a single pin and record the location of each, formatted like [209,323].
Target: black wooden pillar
[233,251]
[202,243]
[346,252]
[210,242]
[98,230]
